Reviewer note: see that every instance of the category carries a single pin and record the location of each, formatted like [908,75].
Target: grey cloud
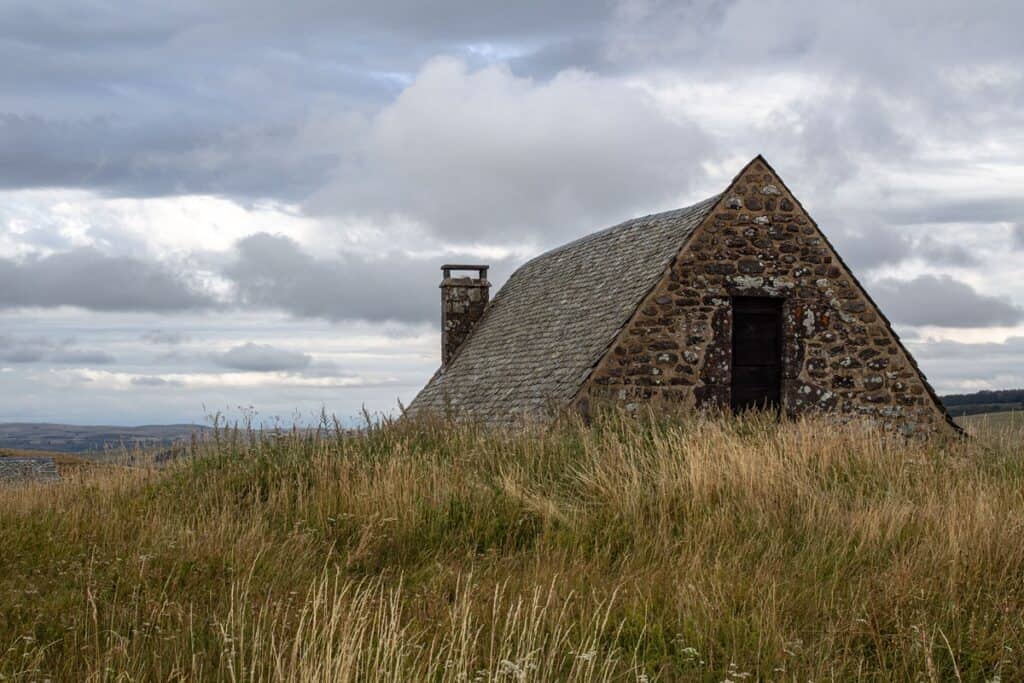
[273,271]
[865,248]
[866,242]
[89,279]
[942,301]
[266,271]
[1018,236]
[82,356]
[42,349]
[913,44]
[177,157]
[952,350]
[942,253]
[164,337]
[262,358]
[190,22]
[929,209]
[151,381]
[586,53]
[22,355]
[955,366]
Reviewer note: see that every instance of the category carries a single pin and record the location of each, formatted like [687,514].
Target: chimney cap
[449,267]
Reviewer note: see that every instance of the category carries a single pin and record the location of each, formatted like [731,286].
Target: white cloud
[126,381]
[483,155]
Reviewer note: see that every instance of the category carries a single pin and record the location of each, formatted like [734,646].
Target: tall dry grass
[708,549]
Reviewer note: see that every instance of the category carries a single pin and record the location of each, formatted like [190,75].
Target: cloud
[153,381]
[215,381]
[227,97]
[880,245]
[942,301]
[485,156]
[81,357]
[161,158]
[866,248]
[907,51]
[934,251]
[957,366]
[929,209]
[21,355]
[164,337]
[42,349]
[262,358]
[88,279]
[1018,236]
[273,271]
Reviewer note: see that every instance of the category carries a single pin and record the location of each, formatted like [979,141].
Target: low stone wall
[14,470]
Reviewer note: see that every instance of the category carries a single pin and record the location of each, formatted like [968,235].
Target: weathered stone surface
[463,300]
[14,470]
[837,358]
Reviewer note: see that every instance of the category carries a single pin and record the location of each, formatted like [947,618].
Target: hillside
[705,550]
[41,436]
[984,402]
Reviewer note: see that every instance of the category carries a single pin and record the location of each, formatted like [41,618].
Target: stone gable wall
[839,355]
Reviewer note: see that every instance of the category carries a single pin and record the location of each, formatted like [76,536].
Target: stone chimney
[463,300]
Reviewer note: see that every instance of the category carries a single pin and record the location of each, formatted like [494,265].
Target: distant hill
[39,436]
[62,438]
[984,402]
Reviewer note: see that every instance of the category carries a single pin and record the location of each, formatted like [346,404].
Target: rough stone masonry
[463,301]
[839,355]
[735,302]
[13,470]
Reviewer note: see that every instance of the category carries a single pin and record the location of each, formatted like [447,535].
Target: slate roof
[555,317]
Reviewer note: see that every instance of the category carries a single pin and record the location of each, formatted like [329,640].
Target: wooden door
[756,353]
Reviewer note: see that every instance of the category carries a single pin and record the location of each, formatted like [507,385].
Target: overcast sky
[215,205]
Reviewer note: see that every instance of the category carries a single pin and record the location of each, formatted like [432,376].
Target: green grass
[696,550]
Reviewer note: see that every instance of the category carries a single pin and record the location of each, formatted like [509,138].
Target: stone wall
[27,469]
[463,300]
[839,354]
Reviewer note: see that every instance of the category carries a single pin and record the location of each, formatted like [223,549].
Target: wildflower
[689,653]
[510,668]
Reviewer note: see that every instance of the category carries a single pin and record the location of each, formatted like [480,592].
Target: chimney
[463,300]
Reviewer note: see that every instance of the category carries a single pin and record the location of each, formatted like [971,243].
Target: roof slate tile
[555,317]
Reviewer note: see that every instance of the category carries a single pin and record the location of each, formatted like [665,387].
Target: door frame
[779,305]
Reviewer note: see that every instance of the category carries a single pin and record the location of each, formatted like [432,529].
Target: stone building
[736,302]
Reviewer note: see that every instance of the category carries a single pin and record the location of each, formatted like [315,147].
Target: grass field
[705,550]
[992,422]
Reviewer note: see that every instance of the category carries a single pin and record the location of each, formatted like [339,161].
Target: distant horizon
[238,417]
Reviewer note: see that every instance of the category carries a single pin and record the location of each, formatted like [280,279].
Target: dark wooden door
[756,353]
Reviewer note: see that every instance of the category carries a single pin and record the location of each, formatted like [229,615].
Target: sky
[216,206]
